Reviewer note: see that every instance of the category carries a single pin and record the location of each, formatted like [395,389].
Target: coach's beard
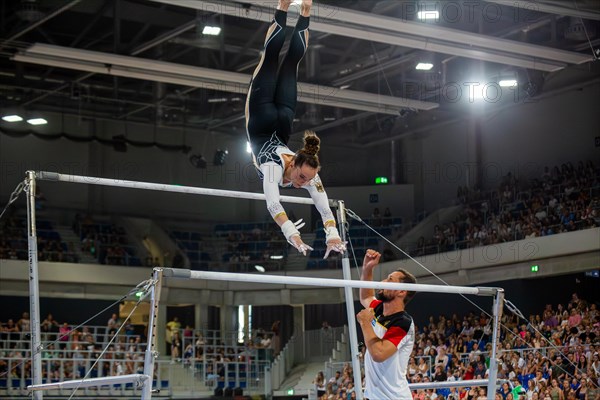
[380,295]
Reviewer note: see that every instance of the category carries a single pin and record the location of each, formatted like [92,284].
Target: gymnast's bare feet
[305,8]
[283,5]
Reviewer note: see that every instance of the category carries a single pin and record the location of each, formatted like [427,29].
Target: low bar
[304,281]
[138,379]
[160,187]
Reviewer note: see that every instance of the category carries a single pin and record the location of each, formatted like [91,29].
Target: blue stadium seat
[196,236]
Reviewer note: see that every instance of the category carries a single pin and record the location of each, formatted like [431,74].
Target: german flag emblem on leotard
[318,184]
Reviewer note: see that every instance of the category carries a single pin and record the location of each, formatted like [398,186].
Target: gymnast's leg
[287,92]
[261,113]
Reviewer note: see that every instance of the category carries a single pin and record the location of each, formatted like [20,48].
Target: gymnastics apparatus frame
[153,289]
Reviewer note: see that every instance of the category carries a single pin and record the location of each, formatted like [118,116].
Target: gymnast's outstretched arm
[272,175]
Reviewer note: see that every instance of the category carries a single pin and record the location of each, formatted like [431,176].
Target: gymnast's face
[300,176]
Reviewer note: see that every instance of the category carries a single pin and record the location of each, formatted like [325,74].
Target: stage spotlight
[198,161]
[220,157]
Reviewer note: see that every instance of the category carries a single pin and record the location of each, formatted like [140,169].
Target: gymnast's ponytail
[309,153]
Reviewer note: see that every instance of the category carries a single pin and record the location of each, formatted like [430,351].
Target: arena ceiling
[149,61]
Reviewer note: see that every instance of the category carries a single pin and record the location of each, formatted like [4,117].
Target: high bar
[305,281]
[161,187]
[139,379]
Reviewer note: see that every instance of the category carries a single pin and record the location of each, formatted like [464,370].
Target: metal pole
[151,345]
[268,385]
[497,316]
[341,214]
[34,290]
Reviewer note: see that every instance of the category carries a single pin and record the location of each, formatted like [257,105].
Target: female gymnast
[270,109]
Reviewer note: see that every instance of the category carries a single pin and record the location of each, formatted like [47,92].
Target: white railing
[62,369]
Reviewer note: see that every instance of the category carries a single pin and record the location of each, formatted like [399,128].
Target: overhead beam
[164,37]
[212,45]
[373,69]
[185,75]
[339,122]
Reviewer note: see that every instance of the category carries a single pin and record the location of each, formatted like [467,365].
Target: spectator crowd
[553,356]
[564,199]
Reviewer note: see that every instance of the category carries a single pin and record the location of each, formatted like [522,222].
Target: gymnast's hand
[335,245]
[292,234]
[333,240]
[297,242]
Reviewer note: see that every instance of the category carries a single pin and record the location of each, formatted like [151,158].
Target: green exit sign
[381,180]
[290,392]
[535,268]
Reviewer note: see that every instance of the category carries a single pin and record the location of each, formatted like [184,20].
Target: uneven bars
[305,281]
[161,187]
[139,379]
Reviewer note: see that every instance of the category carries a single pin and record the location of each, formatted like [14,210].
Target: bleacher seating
[13,242]
[236,247]
[105,241]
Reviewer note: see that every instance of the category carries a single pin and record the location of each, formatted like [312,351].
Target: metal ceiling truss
[545,7]
[398,32]
[233,82]
[338,21]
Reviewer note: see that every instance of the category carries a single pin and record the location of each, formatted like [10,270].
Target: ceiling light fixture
[428,15]
[211,30]
[423,66]
[37,121]
[12,118]
[508,83]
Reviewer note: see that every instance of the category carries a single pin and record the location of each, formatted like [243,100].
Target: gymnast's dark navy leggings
[271,100]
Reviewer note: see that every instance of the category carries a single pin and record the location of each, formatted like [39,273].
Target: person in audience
[320,384]
[24,325]
[49,328]
[172,326]
[112,325]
